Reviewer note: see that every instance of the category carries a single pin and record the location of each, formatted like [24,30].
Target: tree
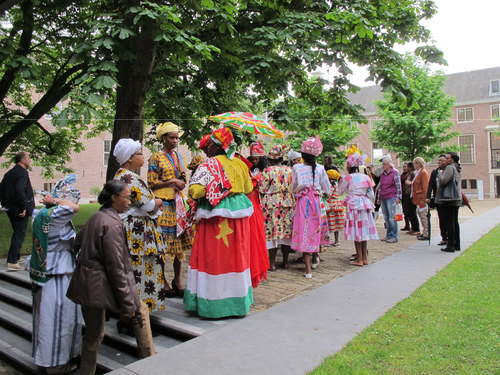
[314,109]
[418,124]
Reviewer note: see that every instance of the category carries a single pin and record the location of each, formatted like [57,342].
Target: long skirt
[310,225]
[218,280]
[147,256]
[57,324]
[259,260]
[177,246]
[360,225]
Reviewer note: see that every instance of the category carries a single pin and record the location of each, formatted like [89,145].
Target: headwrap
[167,127]
[196,161]
[333,174]
[292,155]
[224,138]
[256,149]
[276,152]
[65,189]
[354,157]
[204,141]
[124,149]
[312,146]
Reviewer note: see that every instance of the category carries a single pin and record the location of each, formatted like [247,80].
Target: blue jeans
[389,209]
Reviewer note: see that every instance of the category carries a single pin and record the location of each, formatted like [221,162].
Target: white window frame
[465,108]
[105,159]
[491,111]
[473,151]
[491,87]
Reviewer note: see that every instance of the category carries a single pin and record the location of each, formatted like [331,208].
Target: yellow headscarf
[333,174]
[167,127]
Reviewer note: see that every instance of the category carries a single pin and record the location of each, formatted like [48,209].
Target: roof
[467,88]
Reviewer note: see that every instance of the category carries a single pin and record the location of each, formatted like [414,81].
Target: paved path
[295,336]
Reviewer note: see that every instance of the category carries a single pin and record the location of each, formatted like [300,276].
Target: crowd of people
[233,215]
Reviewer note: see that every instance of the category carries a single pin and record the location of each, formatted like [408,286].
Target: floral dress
[145,241]
[163,167]
[278,205]
[360,225]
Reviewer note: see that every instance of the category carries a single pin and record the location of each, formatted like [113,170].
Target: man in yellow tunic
[167,179]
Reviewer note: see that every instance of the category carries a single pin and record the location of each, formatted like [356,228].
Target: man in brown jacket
[103,278]
[419,195]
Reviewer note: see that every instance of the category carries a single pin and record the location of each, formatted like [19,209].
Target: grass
[450,325]
[86,210]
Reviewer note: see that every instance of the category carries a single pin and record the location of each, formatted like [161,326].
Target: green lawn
[86,210]
[450,325]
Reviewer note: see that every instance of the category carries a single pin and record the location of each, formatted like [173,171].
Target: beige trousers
[424,224]
[94,333]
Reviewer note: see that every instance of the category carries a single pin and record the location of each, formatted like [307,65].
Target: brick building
[477,104]
[477,96]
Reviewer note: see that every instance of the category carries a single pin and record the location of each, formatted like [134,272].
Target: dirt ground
[284,284]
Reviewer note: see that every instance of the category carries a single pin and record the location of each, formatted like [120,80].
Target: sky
[466,31]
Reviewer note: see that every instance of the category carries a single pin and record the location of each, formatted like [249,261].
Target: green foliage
[416,124]
[448,326]
[316,110]
[61,59]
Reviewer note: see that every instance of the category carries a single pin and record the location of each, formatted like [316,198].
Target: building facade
[477,105]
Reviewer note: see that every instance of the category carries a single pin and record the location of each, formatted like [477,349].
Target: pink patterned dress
[310,223]
[360,225]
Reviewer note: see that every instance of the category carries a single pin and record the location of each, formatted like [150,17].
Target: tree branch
[23,48]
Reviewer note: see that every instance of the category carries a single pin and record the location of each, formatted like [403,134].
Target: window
[464,184]
[377,151]
[495,111]
[467,149]
[495,150]
[495,87]
[107,151]
[473,184]
[465,114]
[373,122]
[47,186]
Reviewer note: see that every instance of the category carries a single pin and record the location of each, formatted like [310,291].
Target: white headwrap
[124,149]
[292,155]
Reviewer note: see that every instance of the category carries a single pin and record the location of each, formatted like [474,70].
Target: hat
[124,149]
[196,161]
[224,138]
[312,146]
[167,127]
[65,189]
[354,157]
[386,158]
[256,149]
[276,152]
[204,141]
[333,174]
[292,155]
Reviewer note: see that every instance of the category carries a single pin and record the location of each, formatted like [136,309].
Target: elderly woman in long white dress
[57,321]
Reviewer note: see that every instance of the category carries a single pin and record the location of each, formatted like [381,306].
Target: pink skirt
[360,225]
[310,225]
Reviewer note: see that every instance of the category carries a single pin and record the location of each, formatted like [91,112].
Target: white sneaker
[308,275]
[14,267]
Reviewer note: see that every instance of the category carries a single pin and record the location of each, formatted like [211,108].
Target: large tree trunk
[133,79]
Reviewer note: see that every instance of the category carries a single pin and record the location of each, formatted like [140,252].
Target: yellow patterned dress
[145,241]
[163,167]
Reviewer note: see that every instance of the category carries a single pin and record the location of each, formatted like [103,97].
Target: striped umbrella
[248,122]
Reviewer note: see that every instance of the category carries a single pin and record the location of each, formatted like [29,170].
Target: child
[335,207]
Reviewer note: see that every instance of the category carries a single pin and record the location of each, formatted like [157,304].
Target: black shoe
[422,238]
[448,250]
[405,228]
[124,329]
[178,292]
[442,243]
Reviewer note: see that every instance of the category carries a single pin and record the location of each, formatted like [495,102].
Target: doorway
[497,184]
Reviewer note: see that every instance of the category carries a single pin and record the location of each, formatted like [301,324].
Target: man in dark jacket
[431,195]
[16,195]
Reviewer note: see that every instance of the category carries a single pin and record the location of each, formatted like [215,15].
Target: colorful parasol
[248,122]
